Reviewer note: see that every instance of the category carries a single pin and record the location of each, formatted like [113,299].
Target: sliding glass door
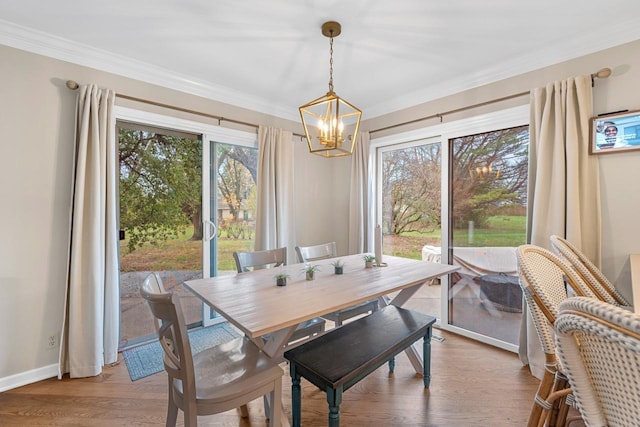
[456,193]
[409,203]
[232,201]
[160,221]
[487,213]
[187,202]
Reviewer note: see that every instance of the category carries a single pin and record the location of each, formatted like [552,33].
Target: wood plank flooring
[472,385]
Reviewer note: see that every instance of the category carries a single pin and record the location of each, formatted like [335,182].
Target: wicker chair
[216,380]
[542,278]
[599,348]
[593,277]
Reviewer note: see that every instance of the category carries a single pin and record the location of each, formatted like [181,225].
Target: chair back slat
[246,261]
[316,252]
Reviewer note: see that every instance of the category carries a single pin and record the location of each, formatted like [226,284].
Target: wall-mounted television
[611,133]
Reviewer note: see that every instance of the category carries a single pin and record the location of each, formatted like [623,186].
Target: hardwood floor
[472,385]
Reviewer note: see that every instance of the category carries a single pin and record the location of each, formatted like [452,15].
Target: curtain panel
[360,209]
[564,184]
[275,217]
[90,333]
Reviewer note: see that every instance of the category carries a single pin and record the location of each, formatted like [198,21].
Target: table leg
[274,346]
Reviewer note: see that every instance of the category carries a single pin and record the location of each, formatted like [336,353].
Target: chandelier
[484,172]
[330,122]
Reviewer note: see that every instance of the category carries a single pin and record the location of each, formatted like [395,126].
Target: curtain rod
[600,74]
[73,85]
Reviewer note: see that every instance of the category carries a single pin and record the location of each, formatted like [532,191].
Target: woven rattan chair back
[548,279]
[544,278]
[592,276]
[599,347]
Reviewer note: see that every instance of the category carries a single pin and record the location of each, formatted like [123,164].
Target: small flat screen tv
[615,132]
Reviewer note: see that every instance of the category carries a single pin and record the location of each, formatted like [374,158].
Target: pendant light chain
[331,64]
[330,123]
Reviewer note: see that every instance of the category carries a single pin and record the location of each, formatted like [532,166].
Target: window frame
[443,133]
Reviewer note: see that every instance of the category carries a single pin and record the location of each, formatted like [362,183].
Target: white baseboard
[28,377]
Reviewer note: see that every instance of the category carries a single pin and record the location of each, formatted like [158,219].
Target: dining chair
[599,348]
[593,277]
[245,261]
[254,260]
[545,278]
[215,380]
[328,250]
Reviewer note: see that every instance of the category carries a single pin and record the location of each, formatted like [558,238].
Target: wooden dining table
[268,314]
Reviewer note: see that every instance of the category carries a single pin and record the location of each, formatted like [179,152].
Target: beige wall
[618,172]
[36,119]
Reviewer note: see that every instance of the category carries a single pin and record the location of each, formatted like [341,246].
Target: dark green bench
[337,360]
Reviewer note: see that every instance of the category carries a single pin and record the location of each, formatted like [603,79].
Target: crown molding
[45,44]
[585,44]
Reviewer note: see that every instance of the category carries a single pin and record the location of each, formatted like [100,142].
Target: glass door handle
[210,230]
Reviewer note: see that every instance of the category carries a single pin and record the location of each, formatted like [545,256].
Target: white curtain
[564,186]
[91,318]
[360,209]
[275,224]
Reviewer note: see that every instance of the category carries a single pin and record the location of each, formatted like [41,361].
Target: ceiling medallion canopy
[330,122]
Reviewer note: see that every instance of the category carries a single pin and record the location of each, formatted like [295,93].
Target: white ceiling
[270,56]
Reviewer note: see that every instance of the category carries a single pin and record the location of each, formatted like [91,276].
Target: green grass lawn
[501,230]
[185,254]
[179,254]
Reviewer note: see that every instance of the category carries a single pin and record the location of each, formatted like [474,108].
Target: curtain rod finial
[602,74]
[72,85]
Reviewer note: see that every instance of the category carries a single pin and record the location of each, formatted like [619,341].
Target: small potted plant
[281,279]
[368,260]
[338,266]
[310,271]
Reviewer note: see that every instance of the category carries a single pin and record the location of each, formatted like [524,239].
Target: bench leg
[392,364]
[334,397]
[426,358]
[296,397]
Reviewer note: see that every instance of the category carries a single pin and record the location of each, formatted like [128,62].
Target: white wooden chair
[599,348]
[275,258]
[593,277]
[328,250]
[216,380]
[544,278]
[254,260]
